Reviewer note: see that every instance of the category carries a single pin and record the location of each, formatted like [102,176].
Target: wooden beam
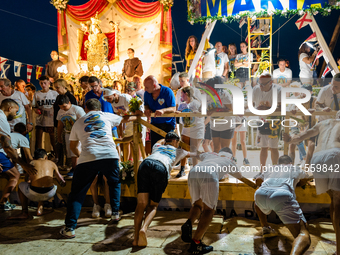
[135,153]
[161,132]
[332,43]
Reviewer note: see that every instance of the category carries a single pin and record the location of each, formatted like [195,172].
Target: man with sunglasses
[267,136]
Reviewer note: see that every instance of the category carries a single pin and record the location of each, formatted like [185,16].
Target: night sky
[31,38]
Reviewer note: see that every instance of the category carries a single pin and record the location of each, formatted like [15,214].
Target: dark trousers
[156,137]
[83,177]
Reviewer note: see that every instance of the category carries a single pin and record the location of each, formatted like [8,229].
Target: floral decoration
[167,4]
[126,173]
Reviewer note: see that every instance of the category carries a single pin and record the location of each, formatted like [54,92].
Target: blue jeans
[83,177]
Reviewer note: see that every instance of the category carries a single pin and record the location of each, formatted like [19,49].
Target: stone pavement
[40,235]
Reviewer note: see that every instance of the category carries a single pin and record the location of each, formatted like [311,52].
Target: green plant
[126,173]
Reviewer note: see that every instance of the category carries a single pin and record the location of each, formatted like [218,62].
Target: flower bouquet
[126,173]
[135,105]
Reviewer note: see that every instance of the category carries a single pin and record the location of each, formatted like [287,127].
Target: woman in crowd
[232,53]
[190,51]
[242,63]
[306,60]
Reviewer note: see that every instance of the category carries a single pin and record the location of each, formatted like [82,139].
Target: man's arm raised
[314,131]
[12,154]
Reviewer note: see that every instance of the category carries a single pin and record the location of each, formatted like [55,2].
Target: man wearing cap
[329,98]
[160,100]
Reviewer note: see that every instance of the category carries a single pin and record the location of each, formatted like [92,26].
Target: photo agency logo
[238,106]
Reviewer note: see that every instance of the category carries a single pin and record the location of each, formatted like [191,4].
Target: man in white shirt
[67,116]
[24,105]
[8,110]
[184,82]
[326,100]
[268,135]
[98,154]
[277,193]
[282,75]
[221,61]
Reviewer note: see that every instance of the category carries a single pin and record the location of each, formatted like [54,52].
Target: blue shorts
[5,162]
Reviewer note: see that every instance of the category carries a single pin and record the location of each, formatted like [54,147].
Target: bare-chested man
[41,188]
[325,164]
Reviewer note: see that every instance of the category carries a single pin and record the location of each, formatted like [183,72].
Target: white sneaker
[116,216]
[107,210]
[96,211]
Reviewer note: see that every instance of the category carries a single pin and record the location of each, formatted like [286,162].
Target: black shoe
[200,248]
[180,174]
[186,232]
[70,174]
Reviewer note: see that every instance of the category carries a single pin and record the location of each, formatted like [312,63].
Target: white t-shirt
[326,97]
[140,93]
[208,63]
[283,177]
[68,118]
[193,127]
[282,77]
[22,100]
[197,94]
[265,98]
[244,58]
[214,166]
[166,154]
[44,102]
[305,69]
[5,128]
[220,60]
[218,123]
[122,107]
[18,141]
[94,131]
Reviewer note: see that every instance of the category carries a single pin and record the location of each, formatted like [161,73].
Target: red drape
[62,34]
[111,37]
[166,36]
[85,11]
[139,9]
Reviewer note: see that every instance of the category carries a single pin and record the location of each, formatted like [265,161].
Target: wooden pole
[332,44]
[135,153]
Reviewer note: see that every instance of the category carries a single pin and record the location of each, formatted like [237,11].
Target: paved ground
[40,235]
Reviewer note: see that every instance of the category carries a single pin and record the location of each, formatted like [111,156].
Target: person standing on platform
[242,63]
[42,104]
[160,100]
[24,105]
[203,182]
[282,75]
[52,66]
[277,193]
[132,66]
[190,51]
[306,60]
[98,154]
[221,61]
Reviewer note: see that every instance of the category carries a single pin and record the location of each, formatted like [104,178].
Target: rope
[28,18]
[280,27]
[234,30]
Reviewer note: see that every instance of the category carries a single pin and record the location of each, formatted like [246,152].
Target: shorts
[225,134]
[45,129]
[242,74]
[263,141]
[69,153]
[328,177]
[35,196]
[5,162]
[152,178]
[207,134]
[203,186]
[282,202]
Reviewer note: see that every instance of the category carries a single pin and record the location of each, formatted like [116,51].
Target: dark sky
[29,41]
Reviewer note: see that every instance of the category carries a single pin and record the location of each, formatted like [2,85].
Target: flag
[242,22]
[198,70]
[303,21]
[312,38]
[4,70]
[38,72]
[29,72]
[17,68]
[2,62]
[327,70]
[320,54]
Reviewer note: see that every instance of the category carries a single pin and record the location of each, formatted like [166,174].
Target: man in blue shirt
[159,99]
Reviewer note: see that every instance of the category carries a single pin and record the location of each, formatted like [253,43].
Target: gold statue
[97,46]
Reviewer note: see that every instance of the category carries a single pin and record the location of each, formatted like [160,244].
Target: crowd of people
[96,131]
